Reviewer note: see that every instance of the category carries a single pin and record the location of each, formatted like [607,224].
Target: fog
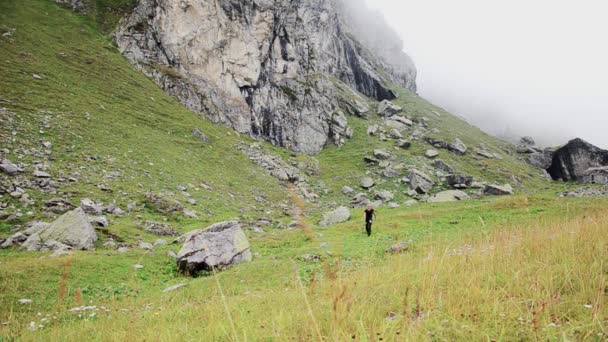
[513,68]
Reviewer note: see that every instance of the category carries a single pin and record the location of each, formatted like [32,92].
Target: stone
[384,196]
[122,250]
[398,248]
[174,287]
[404,144]
[110,244]
[372,130]
[72,229]
[527,141]
[160,242]
[450,196]
[382,154]
[59,203]
[458,147]
[498,190]
[197,133]
[360,200]
[339,215]
[541,160]
[347,190]
[402,120]
[310,258]
[9,168]
[454,180]
[367,183]
[485,154]
[443,166]
[146,246]
[41,174]
[395,134]
[431,154]
[60,252]
[437,143]
[14,240]
[90,207]
[25,301]
[172,254]
[393,205]
[420,182]
[371,160]
[99,221]
[160,229]
[387,109]
[219,246]
[138,266]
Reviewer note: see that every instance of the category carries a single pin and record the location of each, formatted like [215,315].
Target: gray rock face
[266,68]
[498,190]
[420,182]
[71,230]
[219,246]
[574,159]
[450,196]
[341,214]
[387,109]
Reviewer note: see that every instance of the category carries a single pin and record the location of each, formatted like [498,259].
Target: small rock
[9,168]
[398,247]
[382,154]
[341,214]
[387,109]
[346,190]
[310,258]
[174,287]
[146,246]
[36,77]
[160,242]
[123,250]
[431,154]
[60,252]
[25,301]
[383,196]
[138,266]
[498,190]
[172,254]
[458,147]
[367,183]
[99,221]
[404,144]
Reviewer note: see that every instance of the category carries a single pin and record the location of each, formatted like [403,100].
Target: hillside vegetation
[525,267]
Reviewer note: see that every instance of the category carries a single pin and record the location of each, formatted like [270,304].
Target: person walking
[370,215]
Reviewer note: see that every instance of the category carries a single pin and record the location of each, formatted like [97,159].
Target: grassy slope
[134,127]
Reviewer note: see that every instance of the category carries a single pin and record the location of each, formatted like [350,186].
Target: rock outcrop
[341,214]
[268,68]
[572,161]
[219,246]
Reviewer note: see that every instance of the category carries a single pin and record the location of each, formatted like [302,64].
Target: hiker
[370,215]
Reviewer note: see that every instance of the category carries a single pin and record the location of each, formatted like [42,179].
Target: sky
[511,67]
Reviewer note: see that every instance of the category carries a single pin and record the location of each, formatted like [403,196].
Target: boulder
[443,166]
[360,200]
[160,229]
[372,129]
[458,147]
[402,120]
[99,221]
[382,154]
[71,230]
[200,135]
[9,168]
[387,109]
[527,141]
[431,154]
[146,246]
[436,143]
[395,134]
[384,196]
[90,207]
[395,125]
[347,190]
[485,154]
[341,214]
[497,190]
[404,144]
[574,159]
[420,182]
[450,196]
[367,183]
[41,174]
[541,160]
[219,246]
[454,180]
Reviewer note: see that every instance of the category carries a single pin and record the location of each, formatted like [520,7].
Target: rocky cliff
[281,70]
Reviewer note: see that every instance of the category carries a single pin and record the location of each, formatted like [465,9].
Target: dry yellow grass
[545,281]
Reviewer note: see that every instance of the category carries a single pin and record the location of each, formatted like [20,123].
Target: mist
[512,68]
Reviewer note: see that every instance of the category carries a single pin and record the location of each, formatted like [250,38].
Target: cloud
[516,67]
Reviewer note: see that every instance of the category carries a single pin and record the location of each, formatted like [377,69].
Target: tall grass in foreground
[544,282]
